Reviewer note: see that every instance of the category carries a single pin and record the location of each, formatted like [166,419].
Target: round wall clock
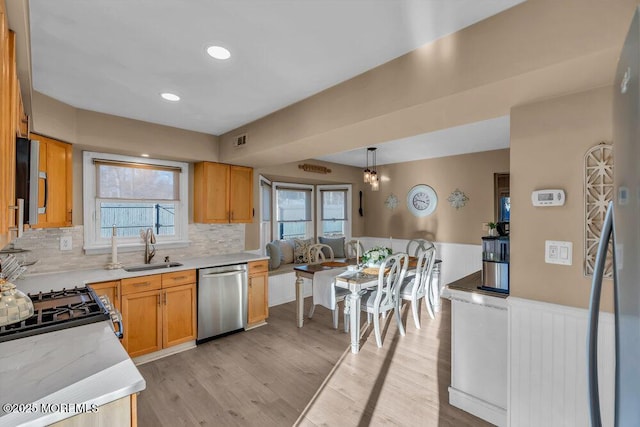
[422,200]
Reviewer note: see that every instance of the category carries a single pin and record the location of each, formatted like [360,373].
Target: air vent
[240,140]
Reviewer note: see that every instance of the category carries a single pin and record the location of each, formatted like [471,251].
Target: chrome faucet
[149,240]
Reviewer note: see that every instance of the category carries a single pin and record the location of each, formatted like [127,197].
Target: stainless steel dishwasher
[222,300]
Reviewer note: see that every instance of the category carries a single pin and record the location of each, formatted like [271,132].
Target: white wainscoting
[282,288]
[458,260]
[548,367]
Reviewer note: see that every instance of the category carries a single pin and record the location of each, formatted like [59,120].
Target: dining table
[357,281]
[307,271]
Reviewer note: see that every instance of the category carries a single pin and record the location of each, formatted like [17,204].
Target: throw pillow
[275,255]
[301,249]
[337,244]
[286,251]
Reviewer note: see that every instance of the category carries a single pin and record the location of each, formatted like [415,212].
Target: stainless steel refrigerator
[622,225]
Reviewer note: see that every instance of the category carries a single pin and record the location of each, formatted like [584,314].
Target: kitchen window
[133,194]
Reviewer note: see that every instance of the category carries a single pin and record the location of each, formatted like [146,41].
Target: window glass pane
[294,205]
[130,182]
[334,204]
[333,228]
[131,217]
[505,209]
[292,230]
[266,201]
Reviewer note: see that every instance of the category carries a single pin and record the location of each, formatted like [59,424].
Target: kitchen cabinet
[9,93]
[55,193]
[222,193]
[158,311]
[111,289]
[258,295]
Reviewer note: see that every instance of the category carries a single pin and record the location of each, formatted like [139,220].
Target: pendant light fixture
[371,175]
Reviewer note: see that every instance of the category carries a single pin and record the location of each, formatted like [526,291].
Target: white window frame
[264,224]
[274,206]
[347,226]
[95,245]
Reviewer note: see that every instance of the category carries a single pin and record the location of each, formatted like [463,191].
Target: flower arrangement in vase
[374,256]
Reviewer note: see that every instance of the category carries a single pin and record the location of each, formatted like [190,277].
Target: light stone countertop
[45,282]
[75,366]
[78,365]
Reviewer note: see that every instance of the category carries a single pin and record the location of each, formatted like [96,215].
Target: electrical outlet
[558,252]
[66,243]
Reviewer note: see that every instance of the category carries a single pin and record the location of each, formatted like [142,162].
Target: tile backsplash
[44,246]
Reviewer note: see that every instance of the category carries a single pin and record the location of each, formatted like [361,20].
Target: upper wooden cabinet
[222,193]
[56,191]
[9,109]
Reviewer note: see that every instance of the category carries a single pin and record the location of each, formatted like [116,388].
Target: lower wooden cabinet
[158,311]
[258,296]
[111,289]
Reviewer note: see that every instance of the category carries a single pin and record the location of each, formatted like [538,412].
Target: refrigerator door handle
[594,311]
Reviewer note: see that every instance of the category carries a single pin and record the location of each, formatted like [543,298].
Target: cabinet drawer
[258,266]
[178,278]
[140,284]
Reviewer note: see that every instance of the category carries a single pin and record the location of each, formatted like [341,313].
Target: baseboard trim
[145,358]
[480,408]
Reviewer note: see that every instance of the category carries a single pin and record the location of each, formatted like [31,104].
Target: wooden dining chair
[415,246]
[386,295]
[417,287]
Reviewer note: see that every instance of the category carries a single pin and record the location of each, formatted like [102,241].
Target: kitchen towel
[323,288]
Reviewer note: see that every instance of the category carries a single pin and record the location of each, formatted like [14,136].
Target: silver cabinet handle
[222,274]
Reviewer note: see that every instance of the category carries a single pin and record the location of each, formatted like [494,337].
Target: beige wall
[548,142]
[536,50]
[470,173]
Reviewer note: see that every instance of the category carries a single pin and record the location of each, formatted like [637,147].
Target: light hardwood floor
[279,375]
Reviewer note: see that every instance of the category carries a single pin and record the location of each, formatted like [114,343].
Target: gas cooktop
[58,310]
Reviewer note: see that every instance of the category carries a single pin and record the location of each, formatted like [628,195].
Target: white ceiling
[117,56]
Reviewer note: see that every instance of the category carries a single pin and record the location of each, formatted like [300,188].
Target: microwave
[28,177]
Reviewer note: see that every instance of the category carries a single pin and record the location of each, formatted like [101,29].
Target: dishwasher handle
[223,273]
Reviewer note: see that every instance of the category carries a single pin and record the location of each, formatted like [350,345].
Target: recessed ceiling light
[218,52]
[144,155]
[170,96]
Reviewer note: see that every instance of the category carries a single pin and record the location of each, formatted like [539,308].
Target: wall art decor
[457,199]
[598,192]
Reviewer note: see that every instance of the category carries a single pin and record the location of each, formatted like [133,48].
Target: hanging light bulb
[374,180]
[367,171]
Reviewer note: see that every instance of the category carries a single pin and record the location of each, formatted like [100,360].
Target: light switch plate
[66,243]
[557,252]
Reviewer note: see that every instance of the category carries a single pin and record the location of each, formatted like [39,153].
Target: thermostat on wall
[547,197]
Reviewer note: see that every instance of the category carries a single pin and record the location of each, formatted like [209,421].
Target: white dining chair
[417,287]
[351,248]
[317,255]
[386,295]
[415,246]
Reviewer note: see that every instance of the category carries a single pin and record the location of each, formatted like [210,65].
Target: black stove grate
[57,310]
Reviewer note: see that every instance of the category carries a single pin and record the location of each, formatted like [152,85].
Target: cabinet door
[142,318]
[258,298]
[241,194]
[110,289]
[55,192]
[211,189]
[179,315]
[8,80]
